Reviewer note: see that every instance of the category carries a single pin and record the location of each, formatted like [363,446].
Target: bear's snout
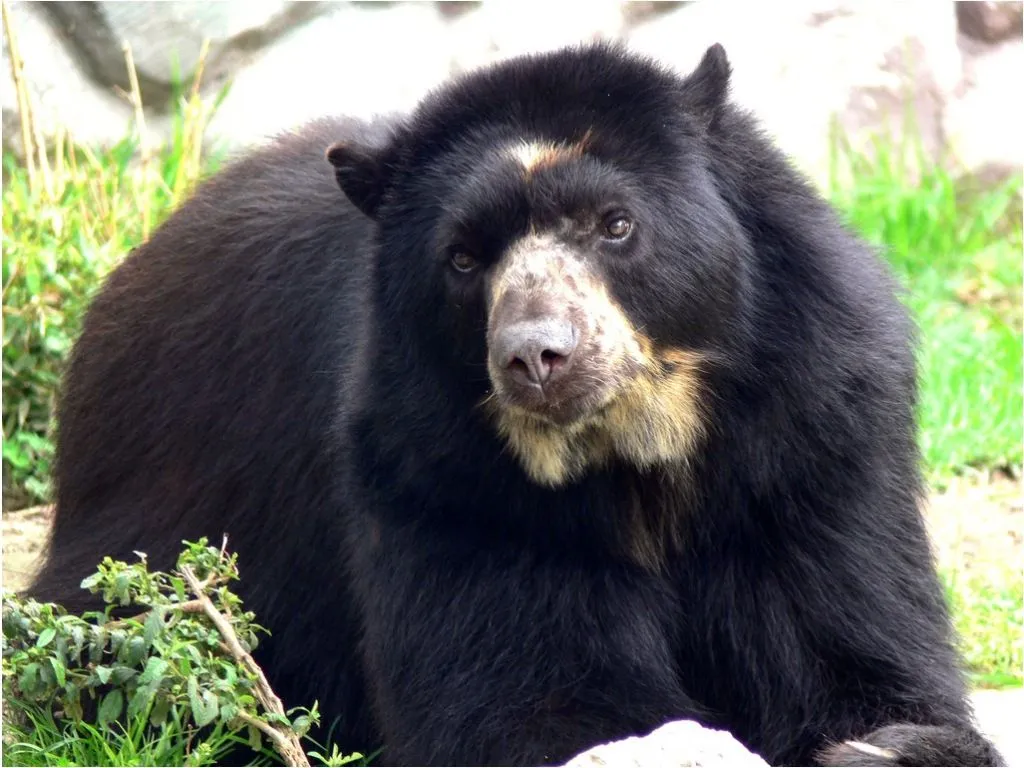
[535,354]
[538,362]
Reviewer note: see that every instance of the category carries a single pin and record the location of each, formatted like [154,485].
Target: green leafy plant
[164,670]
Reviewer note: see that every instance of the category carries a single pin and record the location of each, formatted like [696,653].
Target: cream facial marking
[642,404]
[533,155]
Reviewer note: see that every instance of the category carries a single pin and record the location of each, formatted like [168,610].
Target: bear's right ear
[360,174]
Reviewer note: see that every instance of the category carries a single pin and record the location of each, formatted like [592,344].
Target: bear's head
[551,229]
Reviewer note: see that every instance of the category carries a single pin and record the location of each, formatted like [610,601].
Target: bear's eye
[617,226]
[461,259]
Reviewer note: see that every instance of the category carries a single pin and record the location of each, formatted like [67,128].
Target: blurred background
[904,113]
[799,65]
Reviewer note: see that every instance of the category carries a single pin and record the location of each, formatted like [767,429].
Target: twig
[194,117]
[189,606]
[197,76]
[24,107]
[60,134]
[270,732]
[140,124]
[28,511]
[41,152]
[286,742]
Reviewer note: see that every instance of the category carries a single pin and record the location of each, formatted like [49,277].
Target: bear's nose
[535,352]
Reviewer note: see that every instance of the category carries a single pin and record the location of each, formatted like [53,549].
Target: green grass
[988,613]
[68,219]
[959,257]
[36,739]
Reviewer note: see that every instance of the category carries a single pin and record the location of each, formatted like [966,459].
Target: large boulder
[990,22]
[869,68]
[985,123]
[357,60]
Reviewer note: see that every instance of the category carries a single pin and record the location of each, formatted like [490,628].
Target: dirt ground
[979,520]
[24,538]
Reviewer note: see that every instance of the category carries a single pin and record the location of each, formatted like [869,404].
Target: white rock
[679,744]
[999,714]
[803,64]
[985,124]
[502,29]
[353,61]
[63,95]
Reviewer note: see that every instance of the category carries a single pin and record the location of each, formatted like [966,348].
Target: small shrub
[169,684]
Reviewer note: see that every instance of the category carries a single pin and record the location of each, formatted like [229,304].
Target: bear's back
[250,294]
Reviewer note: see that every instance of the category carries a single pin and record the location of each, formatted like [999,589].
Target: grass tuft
[988,614]
[959,256]
[34,737]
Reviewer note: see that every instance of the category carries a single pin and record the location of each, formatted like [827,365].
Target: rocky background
[800,65]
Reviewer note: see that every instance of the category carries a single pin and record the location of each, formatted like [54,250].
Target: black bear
[574,411]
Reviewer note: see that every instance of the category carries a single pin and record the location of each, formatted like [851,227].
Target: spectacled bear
[555,410]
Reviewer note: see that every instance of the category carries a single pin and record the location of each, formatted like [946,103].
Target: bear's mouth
[644,413]
[566,411]
[572,402]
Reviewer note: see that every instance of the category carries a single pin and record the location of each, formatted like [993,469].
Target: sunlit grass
[959,256]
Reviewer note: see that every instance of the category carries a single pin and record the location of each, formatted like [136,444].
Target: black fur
[275,365]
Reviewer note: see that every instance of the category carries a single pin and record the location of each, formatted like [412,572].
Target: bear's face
[581,257]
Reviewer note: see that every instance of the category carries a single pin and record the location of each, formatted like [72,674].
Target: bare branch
[24,99]
[280,742]
[189,606]
[285,740]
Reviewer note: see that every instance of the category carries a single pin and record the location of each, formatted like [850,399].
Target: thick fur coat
[709,508]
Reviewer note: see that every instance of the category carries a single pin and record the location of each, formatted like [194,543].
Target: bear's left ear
[360,172]
[707,87]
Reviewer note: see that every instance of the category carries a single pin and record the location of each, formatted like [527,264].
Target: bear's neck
[475,484]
